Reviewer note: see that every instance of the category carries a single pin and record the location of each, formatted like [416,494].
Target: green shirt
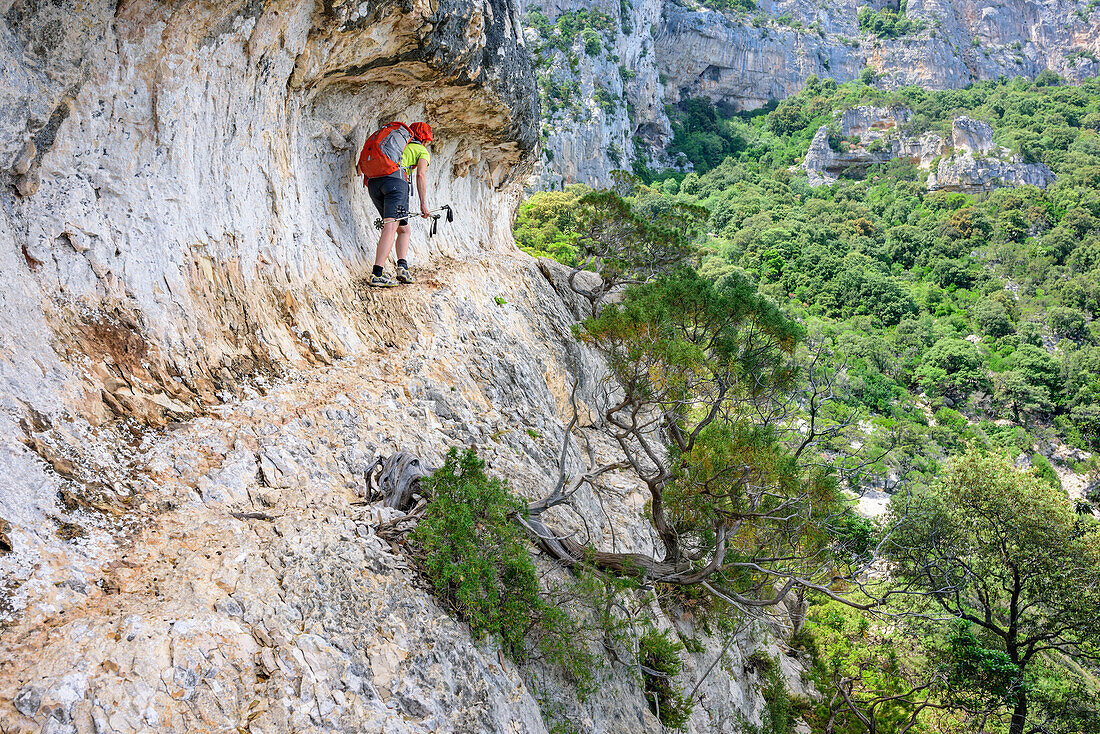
[414,151]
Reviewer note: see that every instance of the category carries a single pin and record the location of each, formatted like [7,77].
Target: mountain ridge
[748,57]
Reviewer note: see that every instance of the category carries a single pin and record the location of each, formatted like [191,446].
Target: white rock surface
[594,133]
[978,165]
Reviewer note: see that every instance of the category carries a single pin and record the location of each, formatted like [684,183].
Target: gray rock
[977,165]
[27,184]
[880,136]
[25,158]
[973,136]
[971,163]
[27,701]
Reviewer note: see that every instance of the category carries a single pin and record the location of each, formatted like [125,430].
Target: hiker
[390,188]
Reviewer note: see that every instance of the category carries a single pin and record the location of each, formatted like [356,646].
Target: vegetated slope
[609,70]
[961,328]
[959,317]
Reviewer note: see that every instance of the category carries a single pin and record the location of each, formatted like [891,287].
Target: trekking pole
[434,214]
[435,218]
[445,208]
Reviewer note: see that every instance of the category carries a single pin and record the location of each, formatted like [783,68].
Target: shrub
[605,100]
[702,135]
[548,223]
[1039,368]
[744,6]
[660,654]
[591,41]
[1043,469]
[779,710]
[785,119]
[993,318]
[477,560]
[1066,322]
[886,23]
[476,556]
[952,367]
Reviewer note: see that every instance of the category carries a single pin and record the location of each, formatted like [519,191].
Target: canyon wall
[748,58]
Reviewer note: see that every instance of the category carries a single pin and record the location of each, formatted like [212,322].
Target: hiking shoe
[403,275]
[381,281]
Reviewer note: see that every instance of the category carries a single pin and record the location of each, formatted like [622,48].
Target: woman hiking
[391,192]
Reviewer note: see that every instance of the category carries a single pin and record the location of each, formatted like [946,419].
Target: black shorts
[390,195]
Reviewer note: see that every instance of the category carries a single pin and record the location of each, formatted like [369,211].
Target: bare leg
[385,242]
[403,233]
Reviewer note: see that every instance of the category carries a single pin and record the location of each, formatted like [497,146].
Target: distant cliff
[968,161]
[749,56]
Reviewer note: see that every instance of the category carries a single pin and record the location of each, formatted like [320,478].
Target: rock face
[597,105]
[196,386]
[864,136]
[746,60]
[972,136]
[977,165]
[265,597]
[195,223]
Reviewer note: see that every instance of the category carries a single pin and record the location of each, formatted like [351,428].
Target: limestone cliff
[968,161]
[976,164]
[747,58]
[603,102]
[196,388]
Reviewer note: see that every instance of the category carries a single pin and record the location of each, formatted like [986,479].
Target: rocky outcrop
[864,136]
[970,162]
[971,136]
[977,165]
[746,60]
[612,106]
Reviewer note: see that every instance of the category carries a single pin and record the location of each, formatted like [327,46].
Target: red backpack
[381,155]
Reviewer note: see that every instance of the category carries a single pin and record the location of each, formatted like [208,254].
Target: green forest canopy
[965,325]
[984,305]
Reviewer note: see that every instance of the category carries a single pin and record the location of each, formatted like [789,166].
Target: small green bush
[661,654]
[743,6]
[779,710]
[591,41]
[477,560]
[1043,469]
[476,557]
[887,23]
